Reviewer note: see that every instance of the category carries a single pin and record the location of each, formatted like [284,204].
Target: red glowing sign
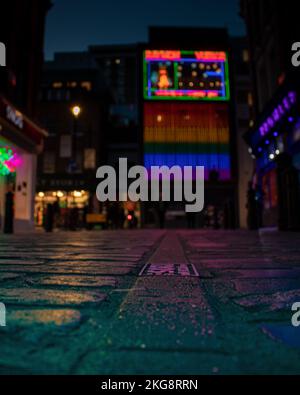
[212,56]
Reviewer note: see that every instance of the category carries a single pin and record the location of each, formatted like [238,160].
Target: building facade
[244,114]
[72,108]
[187,115]
[273,139]
[21,138]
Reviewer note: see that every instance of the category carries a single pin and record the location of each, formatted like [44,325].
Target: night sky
[74,25]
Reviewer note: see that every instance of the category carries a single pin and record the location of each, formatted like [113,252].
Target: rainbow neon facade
[186,75]
[186,111]
[187,134]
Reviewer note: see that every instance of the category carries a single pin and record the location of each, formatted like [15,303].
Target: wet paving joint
[169,269]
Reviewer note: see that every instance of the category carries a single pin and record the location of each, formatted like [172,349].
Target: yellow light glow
[77,194]
[60,194]
[41,194]
[76,110]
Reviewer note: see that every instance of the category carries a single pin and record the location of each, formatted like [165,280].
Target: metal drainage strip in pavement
[169,269]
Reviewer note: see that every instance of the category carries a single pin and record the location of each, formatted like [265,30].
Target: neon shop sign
[278,113]
[9,161]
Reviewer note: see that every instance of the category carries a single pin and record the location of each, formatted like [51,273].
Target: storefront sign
[11,119]
[14,117]
[278,113]
[66,184]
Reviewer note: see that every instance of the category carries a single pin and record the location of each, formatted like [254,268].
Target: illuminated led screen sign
[186,75]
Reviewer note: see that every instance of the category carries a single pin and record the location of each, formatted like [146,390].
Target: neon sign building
[186,120]
[186,75]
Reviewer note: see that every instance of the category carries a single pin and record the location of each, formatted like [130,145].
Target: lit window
[250,99]
[57,85]
[72,84]
[246,57]
[86,85]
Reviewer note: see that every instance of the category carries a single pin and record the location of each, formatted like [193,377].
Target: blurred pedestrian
[49,218]
[9,213]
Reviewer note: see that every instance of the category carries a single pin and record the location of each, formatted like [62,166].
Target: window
[65,149]
[246,56]
[250,99]
[86,85]
[49,163]
[242,96]
[71,84]
[57,85]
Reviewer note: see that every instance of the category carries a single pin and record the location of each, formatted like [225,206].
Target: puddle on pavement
[286,334]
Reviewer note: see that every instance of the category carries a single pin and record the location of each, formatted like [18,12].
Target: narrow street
[150,301]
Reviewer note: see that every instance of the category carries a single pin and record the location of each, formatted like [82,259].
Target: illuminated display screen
[188,134]
[185,75]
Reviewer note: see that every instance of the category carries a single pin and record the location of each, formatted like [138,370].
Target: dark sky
[73,25]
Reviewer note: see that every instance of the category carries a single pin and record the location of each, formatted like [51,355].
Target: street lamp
[76,110]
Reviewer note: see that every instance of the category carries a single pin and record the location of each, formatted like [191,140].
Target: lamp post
[76,110]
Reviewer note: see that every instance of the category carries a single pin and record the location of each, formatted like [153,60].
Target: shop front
[273,196]
[62,201]
[69,202]
[20,142]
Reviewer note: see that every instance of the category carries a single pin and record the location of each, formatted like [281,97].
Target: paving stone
[74,281]
[271,302]
[29,317]
[9,276]
[36,297]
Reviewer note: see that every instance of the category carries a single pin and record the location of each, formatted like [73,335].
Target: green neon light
[176,84]
[5,155]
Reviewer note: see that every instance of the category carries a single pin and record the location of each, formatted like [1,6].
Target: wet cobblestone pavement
[150,302]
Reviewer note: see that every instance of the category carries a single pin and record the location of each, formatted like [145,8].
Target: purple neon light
[278,113]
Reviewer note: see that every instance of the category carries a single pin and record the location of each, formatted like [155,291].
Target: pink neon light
[164,55]
[188,94]
[13,163]
[209,55]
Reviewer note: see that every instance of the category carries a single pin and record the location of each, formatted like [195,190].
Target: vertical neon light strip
[176,86]
[227,78]
[224,87]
